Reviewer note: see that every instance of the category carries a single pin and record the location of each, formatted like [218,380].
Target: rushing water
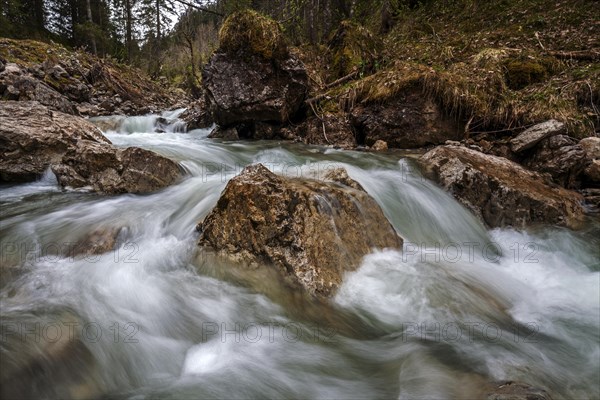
[459,307]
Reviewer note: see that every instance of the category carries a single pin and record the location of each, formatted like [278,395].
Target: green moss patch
[250,31]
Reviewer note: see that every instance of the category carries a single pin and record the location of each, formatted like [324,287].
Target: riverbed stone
[311,230]
[34,138]
[517,391]
[501,192]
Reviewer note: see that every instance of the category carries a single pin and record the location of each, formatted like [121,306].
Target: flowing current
[156,318]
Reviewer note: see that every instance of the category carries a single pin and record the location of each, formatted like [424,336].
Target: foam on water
[195,335]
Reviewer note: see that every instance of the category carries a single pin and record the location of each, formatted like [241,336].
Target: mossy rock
[251,31]
[354,47]
[520,74]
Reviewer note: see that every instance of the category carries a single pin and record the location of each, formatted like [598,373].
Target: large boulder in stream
[34,138]
[45,354]
[502,192]
[252,77]
[312,230]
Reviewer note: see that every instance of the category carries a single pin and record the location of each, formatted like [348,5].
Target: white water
[176,324]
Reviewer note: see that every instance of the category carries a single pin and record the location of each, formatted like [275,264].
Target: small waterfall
[167,121]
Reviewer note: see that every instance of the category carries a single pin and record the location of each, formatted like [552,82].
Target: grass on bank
[497,66]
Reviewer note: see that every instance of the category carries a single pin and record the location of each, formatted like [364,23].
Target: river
[157,318]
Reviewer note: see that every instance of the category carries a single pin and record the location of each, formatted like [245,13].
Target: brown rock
[517,391]
[532,136]
[97,242]
[379,145]
[20,85]
[501,192]
[592,173]
[410,120]
[591,146]
[33,138]
[312,231]
[241,88]
[197,115]
[48,359]
[561,157]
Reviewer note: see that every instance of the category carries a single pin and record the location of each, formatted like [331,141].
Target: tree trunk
[88,5]
[128,33]
[158,20]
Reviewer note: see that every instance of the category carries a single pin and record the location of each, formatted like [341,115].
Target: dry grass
[255,32]
[494,72]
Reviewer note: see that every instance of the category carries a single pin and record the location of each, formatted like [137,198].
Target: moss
[354,47]
[253,32]
[520,74]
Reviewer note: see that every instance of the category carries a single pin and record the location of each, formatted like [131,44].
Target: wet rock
[379,145]
[312,231]
[517,391]
[197,115]
[501,192]
[409,120]
[48,356]
[561,157]
[107,123]
[532,136]
[112,171]
[98,241]
[34,138]
[245,82]
[229,133]
[592,198]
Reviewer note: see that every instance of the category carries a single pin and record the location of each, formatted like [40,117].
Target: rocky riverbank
[75,82]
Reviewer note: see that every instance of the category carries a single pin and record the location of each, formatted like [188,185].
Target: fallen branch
[343,79]
[316,99]
[584,55]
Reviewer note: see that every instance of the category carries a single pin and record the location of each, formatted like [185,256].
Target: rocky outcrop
[532,136]
[501,192]
[247,88]
[409,120]
[517,391]
[261,82]
[77,82]
[313,231]
[17,84]
[561,157]
[34,138]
